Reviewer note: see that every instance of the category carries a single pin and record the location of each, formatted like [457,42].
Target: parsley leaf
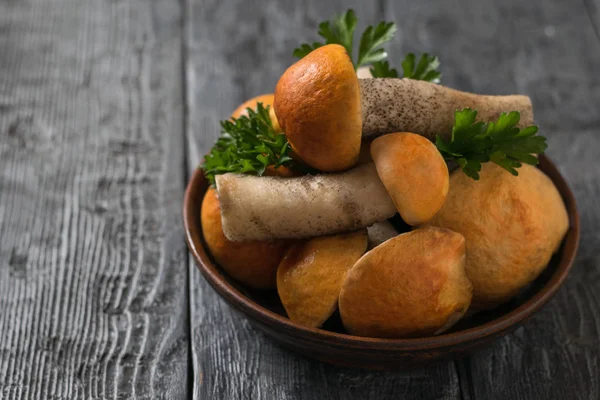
[473,143]
[341,31]
[338,31]
[306,48]
[381,69]
[372,39]
[425,70]
[247,145]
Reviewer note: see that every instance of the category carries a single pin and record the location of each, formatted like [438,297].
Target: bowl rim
[195,241]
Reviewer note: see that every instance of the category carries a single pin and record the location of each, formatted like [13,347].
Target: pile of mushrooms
[411,284]
[325,110]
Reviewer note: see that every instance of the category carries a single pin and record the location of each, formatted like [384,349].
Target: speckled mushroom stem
[406,105]
[260,208]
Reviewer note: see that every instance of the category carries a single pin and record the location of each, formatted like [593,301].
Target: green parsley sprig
[247,145]
[340,30]
[382,69]
[372,39]
[501,142]
[426,69]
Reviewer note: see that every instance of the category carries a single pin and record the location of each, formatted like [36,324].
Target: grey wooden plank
[236,52]
[92,259]
[549,51]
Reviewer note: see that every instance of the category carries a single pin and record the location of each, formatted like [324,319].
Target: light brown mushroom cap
[512,224]
[317,104]
[310,276]
[253,263]
[412,285]
[414,173]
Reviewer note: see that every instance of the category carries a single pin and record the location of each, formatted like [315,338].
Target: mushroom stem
[254,208]
[406,105]
[379,232]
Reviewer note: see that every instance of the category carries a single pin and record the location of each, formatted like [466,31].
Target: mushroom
[324,109]
[257,208]
[379,232]
[512,225]
[414,173]
[392,105]
[310,276]
[411,285]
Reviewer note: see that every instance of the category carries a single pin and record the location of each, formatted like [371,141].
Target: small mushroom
[414,173]
[411,285]
[324,109]
[310,276]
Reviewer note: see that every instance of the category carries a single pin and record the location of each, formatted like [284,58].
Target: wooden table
[106,106]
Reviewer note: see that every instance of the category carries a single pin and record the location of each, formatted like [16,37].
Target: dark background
[105,109]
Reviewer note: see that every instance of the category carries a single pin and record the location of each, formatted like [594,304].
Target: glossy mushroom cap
[413,172]
[317,103]
[310,276]
[411,285]
[512,224]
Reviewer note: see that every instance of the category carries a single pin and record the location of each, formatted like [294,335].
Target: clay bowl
[331,344]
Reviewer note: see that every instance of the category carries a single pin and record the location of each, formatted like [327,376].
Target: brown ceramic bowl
[332,345]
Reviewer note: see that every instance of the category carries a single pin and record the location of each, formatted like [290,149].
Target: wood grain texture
[92,260]
[550,52]
[236,52]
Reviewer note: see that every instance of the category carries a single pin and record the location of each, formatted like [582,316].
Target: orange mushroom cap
[317,104]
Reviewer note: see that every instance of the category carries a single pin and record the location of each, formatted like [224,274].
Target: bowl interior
[266,307]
